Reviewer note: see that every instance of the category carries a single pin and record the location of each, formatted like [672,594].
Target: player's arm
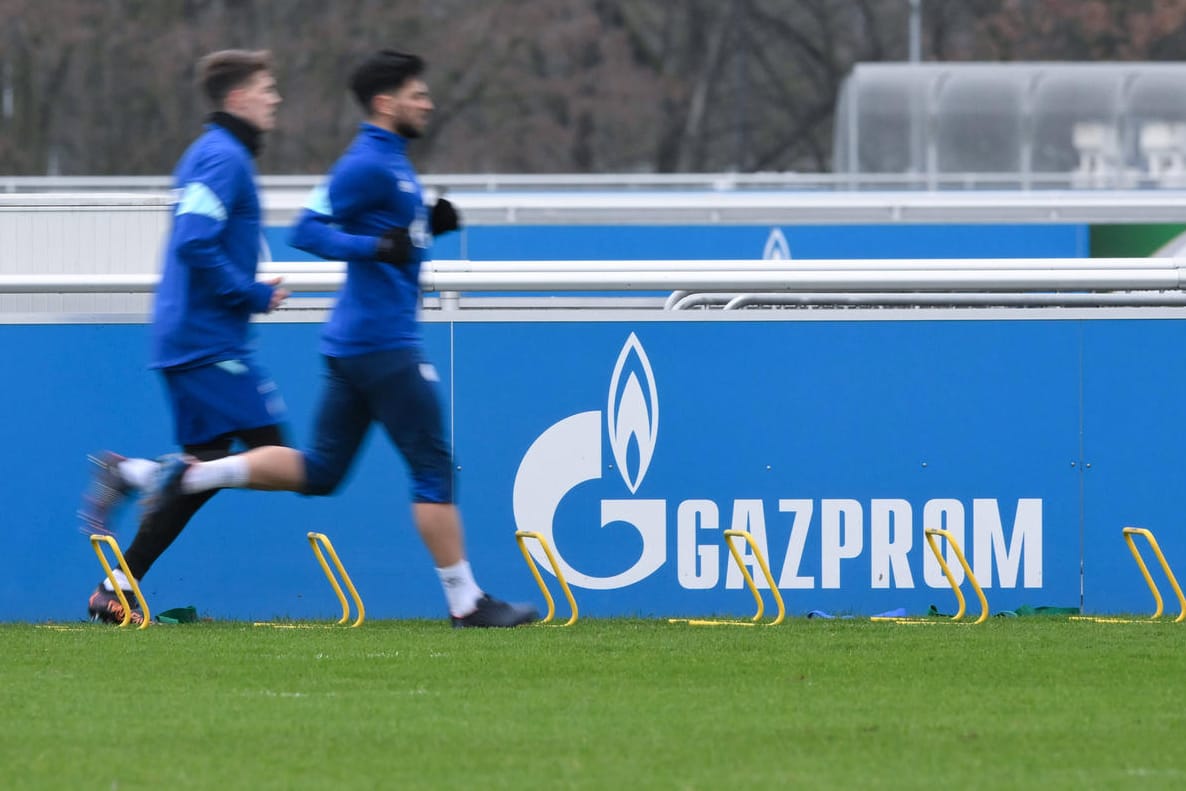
[199,222]
[350,193]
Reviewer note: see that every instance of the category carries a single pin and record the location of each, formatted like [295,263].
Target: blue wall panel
[851,417]
[1133,440]
[642,242]
[804,241]
[75,389]
[840,439]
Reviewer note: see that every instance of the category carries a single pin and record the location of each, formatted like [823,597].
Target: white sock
[137,472]
[120,577]
[461,591]
[229,473]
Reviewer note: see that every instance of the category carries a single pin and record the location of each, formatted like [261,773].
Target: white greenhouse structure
[1014,125]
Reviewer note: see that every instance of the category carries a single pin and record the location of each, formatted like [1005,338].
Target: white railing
[752,207]
[786,207]
[1072,281]
[721,182]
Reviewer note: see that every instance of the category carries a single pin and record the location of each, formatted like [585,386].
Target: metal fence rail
[283,200]
[737,284]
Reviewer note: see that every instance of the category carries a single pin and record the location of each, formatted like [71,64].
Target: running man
[204,303]
[372,215]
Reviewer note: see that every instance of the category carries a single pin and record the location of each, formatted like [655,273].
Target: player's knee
[434,486]
[432,473]
[321,478]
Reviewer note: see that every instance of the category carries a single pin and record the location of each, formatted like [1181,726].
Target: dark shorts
[397,389]
[221,398]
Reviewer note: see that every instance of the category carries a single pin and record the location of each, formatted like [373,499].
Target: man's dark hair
[384,71]
[221,72]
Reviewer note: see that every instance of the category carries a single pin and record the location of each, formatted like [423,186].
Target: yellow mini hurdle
[1128,533]
[729,535]
[320,541]
[520,537]
[97,542]
[930,533]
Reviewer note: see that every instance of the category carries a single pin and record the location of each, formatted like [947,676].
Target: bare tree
[92,87]
[1079,30]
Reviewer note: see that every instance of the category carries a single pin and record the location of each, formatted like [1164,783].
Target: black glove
[394,247]
[444,218]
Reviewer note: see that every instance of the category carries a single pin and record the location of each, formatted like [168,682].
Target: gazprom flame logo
[633,414]
[568,453]
[776,248]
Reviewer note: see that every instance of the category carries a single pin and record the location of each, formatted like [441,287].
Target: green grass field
[1018,703]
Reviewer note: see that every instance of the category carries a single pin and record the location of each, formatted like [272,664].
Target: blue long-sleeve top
[372,188]
[208,290]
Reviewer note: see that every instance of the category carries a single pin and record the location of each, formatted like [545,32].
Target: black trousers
[157,534]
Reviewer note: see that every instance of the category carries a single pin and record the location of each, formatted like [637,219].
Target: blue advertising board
[834,443]
[634,444]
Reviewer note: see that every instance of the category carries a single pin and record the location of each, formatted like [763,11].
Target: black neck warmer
[244,132]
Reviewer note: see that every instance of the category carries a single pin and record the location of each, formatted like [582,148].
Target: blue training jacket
[208,290]
[371,189]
